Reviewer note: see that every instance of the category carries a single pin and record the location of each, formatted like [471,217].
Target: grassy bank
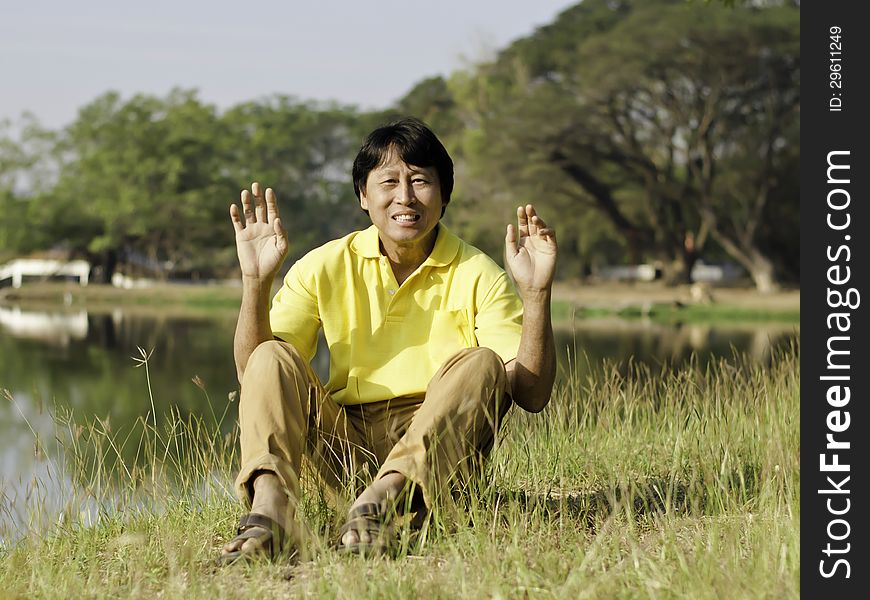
[679,485]
[658,302]
[565,312]
[570,301]
[171,296]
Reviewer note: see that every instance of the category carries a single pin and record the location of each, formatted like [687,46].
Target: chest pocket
[451,332]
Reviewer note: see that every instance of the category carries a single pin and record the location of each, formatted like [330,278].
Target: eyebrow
[381,171]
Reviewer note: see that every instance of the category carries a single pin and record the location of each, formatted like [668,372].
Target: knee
[484,368]
[274,350]
[271,354]
[275,372]
[486,362]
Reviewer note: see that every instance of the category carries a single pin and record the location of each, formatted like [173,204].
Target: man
[428,343]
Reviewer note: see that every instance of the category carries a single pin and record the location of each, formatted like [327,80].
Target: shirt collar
[367,245]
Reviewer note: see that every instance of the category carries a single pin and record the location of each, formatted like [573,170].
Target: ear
[363,202]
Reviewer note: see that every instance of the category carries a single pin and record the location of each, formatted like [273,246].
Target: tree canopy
[654,130]
[675,122]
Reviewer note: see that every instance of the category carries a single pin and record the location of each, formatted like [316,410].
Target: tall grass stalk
[682,484]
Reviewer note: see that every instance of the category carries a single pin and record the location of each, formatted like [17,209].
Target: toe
[351,537]
[252,545]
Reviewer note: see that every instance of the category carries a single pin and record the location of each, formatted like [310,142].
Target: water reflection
[594,343]
[83,362]
[51,328]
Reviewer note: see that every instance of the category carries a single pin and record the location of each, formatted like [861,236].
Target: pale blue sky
[56,56]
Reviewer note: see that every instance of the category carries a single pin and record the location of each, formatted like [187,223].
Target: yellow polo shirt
[387,340]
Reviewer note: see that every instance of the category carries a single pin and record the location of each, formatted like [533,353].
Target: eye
[420,180]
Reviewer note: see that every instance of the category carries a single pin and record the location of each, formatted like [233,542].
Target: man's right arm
[252,328]
[261,243]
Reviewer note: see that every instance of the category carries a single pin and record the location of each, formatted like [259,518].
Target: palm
[531,256]
[261,241]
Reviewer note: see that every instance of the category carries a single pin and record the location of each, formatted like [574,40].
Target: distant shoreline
[577,301]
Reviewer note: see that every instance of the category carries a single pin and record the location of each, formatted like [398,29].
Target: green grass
[678,485]
[49,295]
[564,311]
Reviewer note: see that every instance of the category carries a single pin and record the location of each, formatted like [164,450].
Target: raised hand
[261,240]
[530,257]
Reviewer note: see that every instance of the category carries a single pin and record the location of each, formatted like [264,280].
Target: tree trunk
[110,263]
[759,266]
[103,266]
[761,270]
[677,270]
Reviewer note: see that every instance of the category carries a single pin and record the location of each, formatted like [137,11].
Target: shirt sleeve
[295,316]
[499,319]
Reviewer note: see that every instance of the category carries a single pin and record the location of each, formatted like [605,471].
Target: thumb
[510,242]
[280,235]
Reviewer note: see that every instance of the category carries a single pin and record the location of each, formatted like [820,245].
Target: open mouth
[409,218]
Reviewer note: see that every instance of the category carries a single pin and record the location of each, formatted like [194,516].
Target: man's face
[404,201]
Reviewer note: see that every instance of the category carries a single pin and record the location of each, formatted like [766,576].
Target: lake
[85,362]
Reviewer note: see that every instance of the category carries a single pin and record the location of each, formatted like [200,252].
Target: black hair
[415,144]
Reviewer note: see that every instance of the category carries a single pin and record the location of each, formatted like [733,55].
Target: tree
[29,165]
[304,151]
[637,108]
[142,184]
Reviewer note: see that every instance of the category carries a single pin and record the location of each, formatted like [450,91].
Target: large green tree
[675,121]
[304,151]
[28,170]
[142,183]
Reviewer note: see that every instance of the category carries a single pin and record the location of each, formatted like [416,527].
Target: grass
[656,303]
[50,295]
[564,311]
[678,485]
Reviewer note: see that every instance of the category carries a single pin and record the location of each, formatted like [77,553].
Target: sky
[56,56]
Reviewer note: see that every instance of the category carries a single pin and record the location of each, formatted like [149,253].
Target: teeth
[406,218]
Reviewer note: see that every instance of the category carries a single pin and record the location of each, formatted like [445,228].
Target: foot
[269,500]
[384,492]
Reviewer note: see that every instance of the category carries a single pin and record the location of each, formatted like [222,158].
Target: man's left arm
[530,258]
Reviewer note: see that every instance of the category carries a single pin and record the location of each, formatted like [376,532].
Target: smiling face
[404,203]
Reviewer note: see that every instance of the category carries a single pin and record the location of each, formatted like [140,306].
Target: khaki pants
[435,441]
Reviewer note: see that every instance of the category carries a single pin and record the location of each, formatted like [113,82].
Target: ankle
[268,490]
[386,490]
[265,481]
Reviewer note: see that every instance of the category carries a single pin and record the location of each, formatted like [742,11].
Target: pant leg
[284,412]
[454,426]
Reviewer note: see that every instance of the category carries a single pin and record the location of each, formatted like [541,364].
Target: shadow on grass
[639,498]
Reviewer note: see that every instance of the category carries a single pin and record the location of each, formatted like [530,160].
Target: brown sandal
[256,525]
[374,520]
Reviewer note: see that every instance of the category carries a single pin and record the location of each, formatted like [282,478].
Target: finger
[530,215]
[280,234]
[542,230]
[523,221]
[271,204]
[261,204]
[538,222]
[247,208]
[510,242]
[236,218]
[548,234]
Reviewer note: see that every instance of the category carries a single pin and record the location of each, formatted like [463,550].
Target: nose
[405,194]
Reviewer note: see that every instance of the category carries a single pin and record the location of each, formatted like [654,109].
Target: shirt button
[391,292]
